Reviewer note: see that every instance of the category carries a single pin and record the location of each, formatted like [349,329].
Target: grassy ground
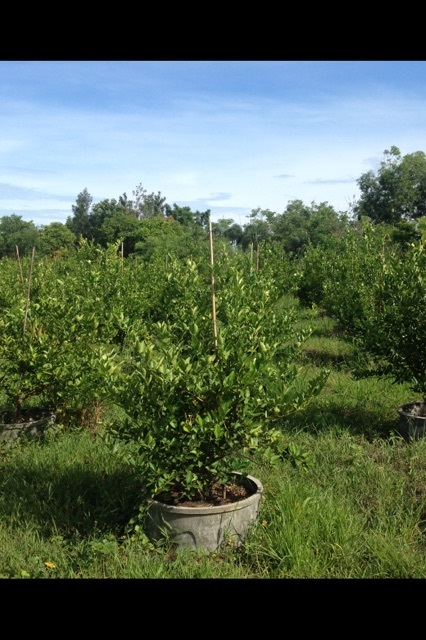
[349,502]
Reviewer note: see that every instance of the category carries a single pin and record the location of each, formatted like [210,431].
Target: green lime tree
[201,388]
[376,289]
[59,318]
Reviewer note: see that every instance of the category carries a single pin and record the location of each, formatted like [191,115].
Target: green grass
[349,501]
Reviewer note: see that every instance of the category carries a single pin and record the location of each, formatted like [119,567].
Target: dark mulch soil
[32,414]
[415,409]
[219,495]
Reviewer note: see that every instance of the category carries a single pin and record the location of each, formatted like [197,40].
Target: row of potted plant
[200,390]
[376,289]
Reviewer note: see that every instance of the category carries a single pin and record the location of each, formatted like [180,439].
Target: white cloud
[248,134]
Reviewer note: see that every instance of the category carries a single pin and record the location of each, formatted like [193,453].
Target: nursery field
[167,374]
[347,498]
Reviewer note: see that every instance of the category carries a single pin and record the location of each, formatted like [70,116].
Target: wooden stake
[28,292]
[213,292]
[20,266]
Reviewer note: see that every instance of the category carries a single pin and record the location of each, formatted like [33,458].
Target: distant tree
[56,237]
[256,232]
[100,228]
[15,232]
[124,201]
[234,234]
[301,225]
[202,218]
[146,205]
[397,191]
[325,224]
[220,227]
[404,233]
[79,222]
[291,227]
[120,227]
[105,222]
[153,206]
[263,214]
[160,235]
[187,217]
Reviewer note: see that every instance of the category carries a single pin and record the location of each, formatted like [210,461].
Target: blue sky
[227,136]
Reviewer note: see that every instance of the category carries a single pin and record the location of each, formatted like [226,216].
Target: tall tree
[291,227]
[146,205]
[153,205]
[160,235]
[109,220]
[397,191]
[220,227]
[120,226]
[301,225]
[79,223]
[187,217]
[234,234]
[325,224]
[15,232]
[259,229]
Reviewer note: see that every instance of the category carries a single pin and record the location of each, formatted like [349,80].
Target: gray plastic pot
[32,428]
[205,527]
[412,420]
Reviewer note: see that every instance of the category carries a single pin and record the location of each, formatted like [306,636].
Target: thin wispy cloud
[215,197]
[228,136]
[332,181]
[10,191]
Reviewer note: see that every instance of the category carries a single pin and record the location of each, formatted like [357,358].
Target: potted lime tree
[395,329]
[53,329]
[405,321]
[202,388]
[377,291]
[23,348]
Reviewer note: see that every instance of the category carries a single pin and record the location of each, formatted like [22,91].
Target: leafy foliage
[193,406]
[15,232]
[397,190]
[55,238]
[377,292]
[54,328]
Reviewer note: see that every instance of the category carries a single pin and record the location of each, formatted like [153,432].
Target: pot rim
[405,409]
[44,416]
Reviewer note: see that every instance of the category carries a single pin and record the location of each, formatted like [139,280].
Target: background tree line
[394,196]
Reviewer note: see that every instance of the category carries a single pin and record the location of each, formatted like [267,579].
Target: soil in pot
[219,495]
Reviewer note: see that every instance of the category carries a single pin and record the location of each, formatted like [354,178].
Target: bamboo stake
[381,277]
[213,292]
[29,286]
[20,266]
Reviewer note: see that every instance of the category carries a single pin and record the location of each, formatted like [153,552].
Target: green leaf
[218,431]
